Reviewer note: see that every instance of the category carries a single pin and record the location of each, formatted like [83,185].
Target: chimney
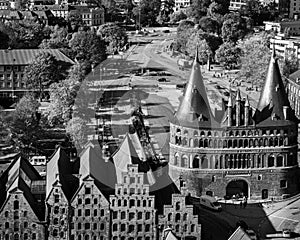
[285,112]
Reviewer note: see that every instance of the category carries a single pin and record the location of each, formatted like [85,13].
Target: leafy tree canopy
[198,9]
[43,71]
[114,36]
[87,48]
[228,54]
[235,27]
[23,34]
[147,12]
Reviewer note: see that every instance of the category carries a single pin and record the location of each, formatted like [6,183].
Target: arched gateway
[237,186]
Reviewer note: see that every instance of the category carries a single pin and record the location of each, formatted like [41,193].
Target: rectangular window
[79,213]
[87,190]
[283,183]
[56,198]
[87,212]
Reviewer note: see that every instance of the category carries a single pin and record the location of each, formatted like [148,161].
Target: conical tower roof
[273,96]
[194,110]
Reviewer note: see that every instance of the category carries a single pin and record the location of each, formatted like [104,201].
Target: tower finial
[197,54]
[273,51]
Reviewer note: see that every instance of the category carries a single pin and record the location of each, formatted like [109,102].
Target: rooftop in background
[26,56]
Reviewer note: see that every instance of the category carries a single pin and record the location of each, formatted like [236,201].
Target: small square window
[87,190]
[283,183]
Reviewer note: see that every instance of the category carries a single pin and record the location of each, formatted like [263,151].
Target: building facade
[294,9]
[132,208]
[13,63]
[90,203]
[249,150]
[181,5]
[236,5]
[22,200]
[293,90]
[180,218]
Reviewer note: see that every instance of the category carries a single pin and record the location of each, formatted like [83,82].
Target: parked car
[163,80]
[210,203]
[286,233]
[251,234]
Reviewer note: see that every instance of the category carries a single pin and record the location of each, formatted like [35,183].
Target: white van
[210,202]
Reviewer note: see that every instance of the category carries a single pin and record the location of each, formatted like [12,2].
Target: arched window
[177,217]
[271,161]
[196,162]
[16,236]
[209,133]
[177,206]
[25,236]
[205,143]
[279,162]
[184,161]
[193,228]
[184,141]
[196,143]
[204,162]
[195,133]
[184,218]
[16,204]
[246,143]
[176,156]
[54,233]
[170,217]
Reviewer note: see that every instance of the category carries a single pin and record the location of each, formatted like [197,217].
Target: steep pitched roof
[60,169]
[273,97]
[194,109]
[26,56]
[92,164]
[17,178]
[58,165]
[127,154]
[239,234]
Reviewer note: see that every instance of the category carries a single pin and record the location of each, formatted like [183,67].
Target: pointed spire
[273,51]
[247,102]
[195,101]
[238,95]
[273,96]
[230,100]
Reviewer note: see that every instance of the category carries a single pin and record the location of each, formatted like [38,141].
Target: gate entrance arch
[237,186]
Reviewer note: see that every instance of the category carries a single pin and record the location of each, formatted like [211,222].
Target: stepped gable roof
[92,164]
[239,234]
[17,178]
[128,154]
[194,109]
[26,56]
[273,98]
[60,171]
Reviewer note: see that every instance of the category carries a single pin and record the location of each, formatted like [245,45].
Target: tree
[204,51]
[254,60]
[43,71]
[184,29]
[177,17]
[219,7]
[74,21]
[198,9]
[87,48]
[254,10]
[228,54]
[58,39]
[24,123]
[114,36]
[210,25]
[147,12]
[77,130]
[289,64]
[166,11]
[23,34]
[235,27]
[62,96]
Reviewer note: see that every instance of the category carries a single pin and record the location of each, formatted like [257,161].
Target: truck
[210,203]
